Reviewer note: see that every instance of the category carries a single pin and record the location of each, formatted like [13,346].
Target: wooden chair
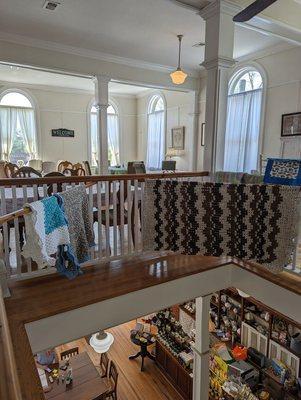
[10,169]
[77,165]
[136,167]
[104,365]
[74,172]
[67,354]
[2,170]
[26,172]
[59,185]
[112,381]
[63,165]
[87,167]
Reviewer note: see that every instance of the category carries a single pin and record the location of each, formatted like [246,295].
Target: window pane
[251,80]
[159,104]
[111,110]
[15,99]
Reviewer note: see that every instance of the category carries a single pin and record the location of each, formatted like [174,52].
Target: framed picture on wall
[178,138]
[291,125]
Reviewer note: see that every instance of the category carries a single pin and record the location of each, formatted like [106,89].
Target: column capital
[100,107]
[219,6]
[218,62]
[101,78]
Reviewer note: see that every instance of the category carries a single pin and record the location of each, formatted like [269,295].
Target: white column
[201,350]
[101,104]
[218,59]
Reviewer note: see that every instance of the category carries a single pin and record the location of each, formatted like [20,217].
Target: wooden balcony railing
[115,208]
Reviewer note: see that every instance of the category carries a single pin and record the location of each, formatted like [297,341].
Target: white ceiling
[19,75]
[138,29]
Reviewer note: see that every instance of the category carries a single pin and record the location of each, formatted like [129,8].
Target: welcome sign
[62,132]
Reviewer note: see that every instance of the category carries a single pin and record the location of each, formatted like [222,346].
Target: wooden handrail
[9,382]
[26,210]
[98,178]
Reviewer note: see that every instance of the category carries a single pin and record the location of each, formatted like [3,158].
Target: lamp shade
[178,76]
[171,152]
[101,341]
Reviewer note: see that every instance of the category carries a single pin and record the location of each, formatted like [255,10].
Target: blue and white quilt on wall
[283,172]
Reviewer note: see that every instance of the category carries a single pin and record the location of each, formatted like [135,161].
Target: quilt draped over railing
[250,222]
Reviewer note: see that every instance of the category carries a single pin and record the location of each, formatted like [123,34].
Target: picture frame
[62,132]
[291,125]
[178,137]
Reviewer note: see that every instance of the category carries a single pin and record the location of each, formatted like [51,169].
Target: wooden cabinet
[250,337]
[174,372]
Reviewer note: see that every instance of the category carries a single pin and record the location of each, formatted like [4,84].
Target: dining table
[86,385]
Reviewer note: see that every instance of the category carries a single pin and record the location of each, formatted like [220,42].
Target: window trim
[239,71]
[25,92]
[150,101]
[115,105]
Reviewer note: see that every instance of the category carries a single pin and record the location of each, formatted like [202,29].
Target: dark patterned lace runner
[250,222]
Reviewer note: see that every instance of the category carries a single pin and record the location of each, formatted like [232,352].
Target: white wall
[179,112]
[63,108]
[283,94]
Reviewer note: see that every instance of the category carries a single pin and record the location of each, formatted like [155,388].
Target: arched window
[155,133]
[113,135]
[243,121]
[18,136]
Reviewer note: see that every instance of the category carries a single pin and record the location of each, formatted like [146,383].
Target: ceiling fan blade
[253,9]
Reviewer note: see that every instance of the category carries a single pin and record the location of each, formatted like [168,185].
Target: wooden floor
[132,383]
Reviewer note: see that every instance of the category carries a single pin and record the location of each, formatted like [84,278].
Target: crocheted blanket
[76,208]
[250,222]
[46,229]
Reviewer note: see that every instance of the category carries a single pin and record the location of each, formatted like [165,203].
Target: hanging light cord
[180,45]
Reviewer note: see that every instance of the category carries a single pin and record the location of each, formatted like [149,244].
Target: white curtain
[242,131]
[155,140]
[28,128]
[8,126]
[113,139]
[94,138]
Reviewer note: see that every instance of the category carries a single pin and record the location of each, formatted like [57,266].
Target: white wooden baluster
[45,190]
[129,214]
[136,217]
[16,231]
[114,219]
[141,212]
[25,200]
[92,250]
[107,210]
[35,193]
[121,206]
[99,225]
[5,232]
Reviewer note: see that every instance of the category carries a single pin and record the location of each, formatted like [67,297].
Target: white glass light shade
[101,341]
[178,76]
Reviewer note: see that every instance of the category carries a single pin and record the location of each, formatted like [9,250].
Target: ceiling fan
[253,9]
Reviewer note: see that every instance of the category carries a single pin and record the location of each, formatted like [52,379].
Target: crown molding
[46,88]
[218,6]
[82,52]
[269,51]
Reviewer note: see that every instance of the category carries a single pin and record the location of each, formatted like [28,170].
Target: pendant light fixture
[178,76]
[101,341]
